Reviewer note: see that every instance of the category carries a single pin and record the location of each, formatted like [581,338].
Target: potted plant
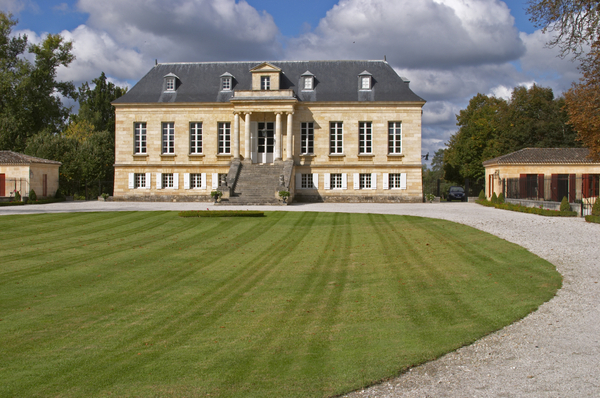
[104,196]
[429,197]
[216,195]
[284,195]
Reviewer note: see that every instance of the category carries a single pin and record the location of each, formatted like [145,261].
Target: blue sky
[449,49]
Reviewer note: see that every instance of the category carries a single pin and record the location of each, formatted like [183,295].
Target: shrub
[564,204]
[17,196]
[501,197]
[592,218]
[482,195]
[596,207]
[32,195]
[494,198]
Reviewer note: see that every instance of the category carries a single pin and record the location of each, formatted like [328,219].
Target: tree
[583,106]
[95,104]
[29,92]
[576,23]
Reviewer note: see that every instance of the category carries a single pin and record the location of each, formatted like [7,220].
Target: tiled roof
[334,81]
[9,157]
[544,156]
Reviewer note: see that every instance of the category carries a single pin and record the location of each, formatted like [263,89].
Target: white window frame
[168,180]
[226,84]
[307,181]
[195,138]
[194,181]
[336,138]
[308,83]
[395,138]
[334,182]
[365,138]
[224,132]
[265,82]
[139,138]
[365,82]
[307,138]
[140,180]
[394,180]
[168,138]
[170,83]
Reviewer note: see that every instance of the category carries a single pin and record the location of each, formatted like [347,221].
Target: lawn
[148,304]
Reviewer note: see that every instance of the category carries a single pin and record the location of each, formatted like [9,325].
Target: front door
[265,142]
[2,186]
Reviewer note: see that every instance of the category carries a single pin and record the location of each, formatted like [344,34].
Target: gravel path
[554,352]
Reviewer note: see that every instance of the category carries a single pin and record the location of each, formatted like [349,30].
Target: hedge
[221,213]
[594,219]
[525,209]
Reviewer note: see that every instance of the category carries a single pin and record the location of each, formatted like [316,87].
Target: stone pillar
[247,148]
[278,145]
[236,135]
[289,144]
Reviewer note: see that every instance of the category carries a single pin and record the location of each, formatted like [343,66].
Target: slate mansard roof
[334,81]
[9,157]
[544,156]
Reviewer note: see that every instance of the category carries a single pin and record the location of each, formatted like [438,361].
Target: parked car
[456,193]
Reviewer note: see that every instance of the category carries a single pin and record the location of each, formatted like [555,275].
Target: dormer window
[365,81]
[308,81]
[170,82]
[226,81]
[265,82]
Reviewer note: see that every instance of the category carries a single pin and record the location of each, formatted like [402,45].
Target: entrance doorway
[263,143]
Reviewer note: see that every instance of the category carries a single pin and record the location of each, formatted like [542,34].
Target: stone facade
[281,112]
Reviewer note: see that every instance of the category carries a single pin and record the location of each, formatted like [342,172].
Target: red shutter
[489,186]
[523,186]
[2,182]
[554,187]
[585,185]
[540,186]
[572,189]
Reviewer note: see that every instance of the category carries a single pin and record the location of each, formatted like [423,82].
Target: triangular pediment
[265,67]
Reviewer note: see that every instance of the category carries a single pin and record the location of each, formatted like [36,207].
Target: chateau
[332,131]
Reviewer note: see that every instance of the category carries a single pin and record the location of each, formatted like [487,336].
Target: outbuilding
[21,173]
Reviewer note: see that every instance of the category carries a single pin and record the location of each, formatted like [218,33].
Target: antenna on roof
[384,58]
[155,62]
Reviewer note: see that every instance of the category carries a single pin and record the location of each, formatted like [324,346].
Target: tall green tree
[30,95]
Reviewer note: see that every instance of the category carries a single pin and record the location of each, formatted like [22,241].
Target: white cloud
[15,6]
[433,34]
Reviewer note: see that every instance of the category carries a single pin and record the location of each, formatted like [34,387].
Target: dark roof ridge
[10,157]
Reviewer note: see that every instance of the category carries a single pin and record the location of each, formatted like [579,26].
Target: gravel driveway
[554,352]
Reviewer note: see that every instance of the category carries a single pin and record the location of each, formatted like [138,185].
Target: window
[308,83]
[195,181]
[170,83]
[196,138]
[222,179]
[365,138]
[226,84]
[336,145]
[167,180]
[365,181]
[395,137]
[168,138]
[265,83]
[307,137]
[139,145]
[224,137]
[307,182]
[365,83]
[140,180]
[335,181]
[395,180]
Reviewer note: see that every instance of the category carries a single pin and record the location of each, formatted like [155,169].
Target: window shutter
[131,180]
[554,187]
[403,181]
[215,181]
[522,186]
[344,181]
[175,180]
[158,180]
[148,176]
[572,191]
[386,181]
[186,180]
[203,181]
[326,181]
[316,180]
[373,180]
[298,180]
[585,185]
[356,180]
[540,186]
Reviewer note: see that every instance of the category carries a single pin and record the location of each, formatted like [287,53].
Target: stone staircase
[256,184]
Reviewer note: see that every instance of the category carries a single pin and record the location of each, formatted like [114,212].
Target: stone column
[236,135]
[247,148]
[289,144]
[278,145]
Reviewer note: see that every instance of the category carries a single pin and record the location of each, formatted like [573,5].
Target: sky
[450,50]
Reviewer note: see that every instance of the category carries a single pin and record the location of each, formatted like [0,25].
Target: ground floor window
[365,181]
[335,181]
[395,180]
[196,181]
[307,182]
[167,180]
[140,180]
[222,179]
